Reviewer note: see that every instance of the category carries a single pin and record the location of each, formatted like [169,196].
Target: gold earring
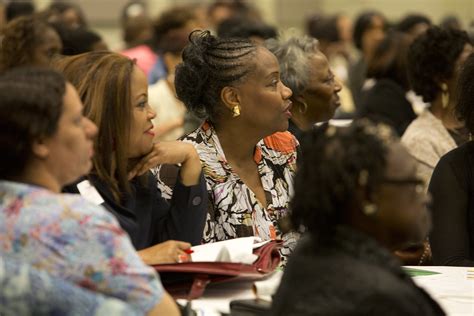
[370,209]
[235,111]
[444,95]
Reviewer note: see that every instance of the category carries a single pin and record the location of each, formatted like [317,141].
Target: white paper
[232,250]
[267,287]
[90,193]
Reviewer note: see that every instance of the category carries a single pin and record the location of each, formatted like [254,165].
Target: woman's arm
[184,218]
[450,235]
[170,251]
[175,152]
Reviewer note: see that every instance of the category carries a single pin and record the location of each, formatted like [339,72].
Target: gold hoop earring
[235,111]
[444,95]
[370,209]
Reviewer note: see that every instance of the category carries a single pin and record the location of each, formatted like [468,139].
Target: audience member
[369,30]
[114,92]
[434,59]
[386,101]
[78,40]
[62,234]
[171,33]
[305,70]
[450,22]
[357,194]
[137,31]
[240,27]
[334,34]
[28,41]
[451,186]
[235,85]
[413,25]
[221,10]
[68,13]
[17,8]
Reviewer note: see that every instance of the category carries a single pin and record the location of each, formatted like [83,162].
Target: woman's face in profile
[264,99]
[141,127]
[321,93]
[50,46]
[402,216]
[70,149]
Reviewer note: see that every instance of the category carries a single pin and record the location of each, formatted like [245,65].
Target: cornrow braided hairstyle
[210,64]
[333,164]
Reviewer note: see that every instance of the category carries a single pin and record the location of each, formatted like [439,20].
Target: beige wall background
[104,14]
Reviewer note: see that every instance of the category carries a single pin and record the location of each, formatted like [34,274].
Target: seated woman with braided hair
[357,194]
[248,157]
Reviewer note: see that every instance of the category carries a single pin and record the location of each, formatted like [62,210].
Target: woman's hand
[174,152]
[170,251]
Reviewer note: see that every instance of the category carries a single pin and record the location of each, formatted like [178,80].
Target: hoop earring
[370,209]
[304,109]
[235,111]
[444,95]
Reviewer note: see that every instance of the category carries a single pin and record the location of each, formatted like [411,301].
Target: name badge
[89,192]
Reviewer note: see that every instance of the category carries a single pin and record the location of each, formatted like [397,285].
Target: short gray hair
[292,54]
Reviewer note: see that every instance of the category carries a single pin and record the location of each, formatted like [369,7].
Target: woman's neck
[238,143]
[445,114]
[300,120]
[38,175]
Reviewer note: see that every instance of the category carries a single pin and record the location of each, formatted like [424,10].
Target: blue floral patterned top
[74,240]
[27,291]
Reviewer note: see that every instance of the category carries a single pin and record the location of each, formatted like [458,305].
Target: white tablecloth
[451,288]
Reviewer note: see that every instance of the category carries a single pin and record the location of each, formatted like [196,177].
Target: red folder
[189,279]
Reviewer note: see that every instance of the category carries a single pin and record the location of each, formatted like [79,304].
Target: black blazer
[148,218]
[452,190]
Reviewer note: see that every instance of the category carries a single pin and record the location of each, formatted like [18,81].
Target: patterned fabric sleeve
[106,261]
[27,291]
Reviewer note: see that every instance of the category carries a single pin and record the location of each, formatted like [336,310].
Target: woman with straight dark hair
[115,96]
[46,143]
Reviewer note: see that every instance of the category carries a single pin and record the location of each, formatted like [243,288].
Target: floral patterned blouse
[25,290]
[72,239]
[234,210]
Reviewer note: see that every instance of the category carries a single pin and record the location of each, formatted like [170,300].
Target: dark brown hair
[31,106]
[103,81]
[390,59]
[21,37]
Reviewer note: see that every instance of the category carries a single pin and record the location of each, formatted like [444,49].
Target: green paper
[418,272]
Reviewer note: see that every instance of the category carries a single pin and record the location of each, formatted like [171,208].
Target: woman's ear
[40,149]
[230,97]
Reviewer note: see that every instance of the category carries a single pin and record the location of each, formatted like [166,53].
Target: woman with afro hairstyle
[434,60]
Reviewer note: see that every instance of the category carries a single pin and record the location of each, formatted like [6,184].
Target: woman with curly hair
[357,195]
[434,60]
[451,186]
[28,41]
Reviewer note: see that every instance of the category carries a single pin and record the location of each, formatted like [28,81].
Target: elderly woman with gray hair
[306,71]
